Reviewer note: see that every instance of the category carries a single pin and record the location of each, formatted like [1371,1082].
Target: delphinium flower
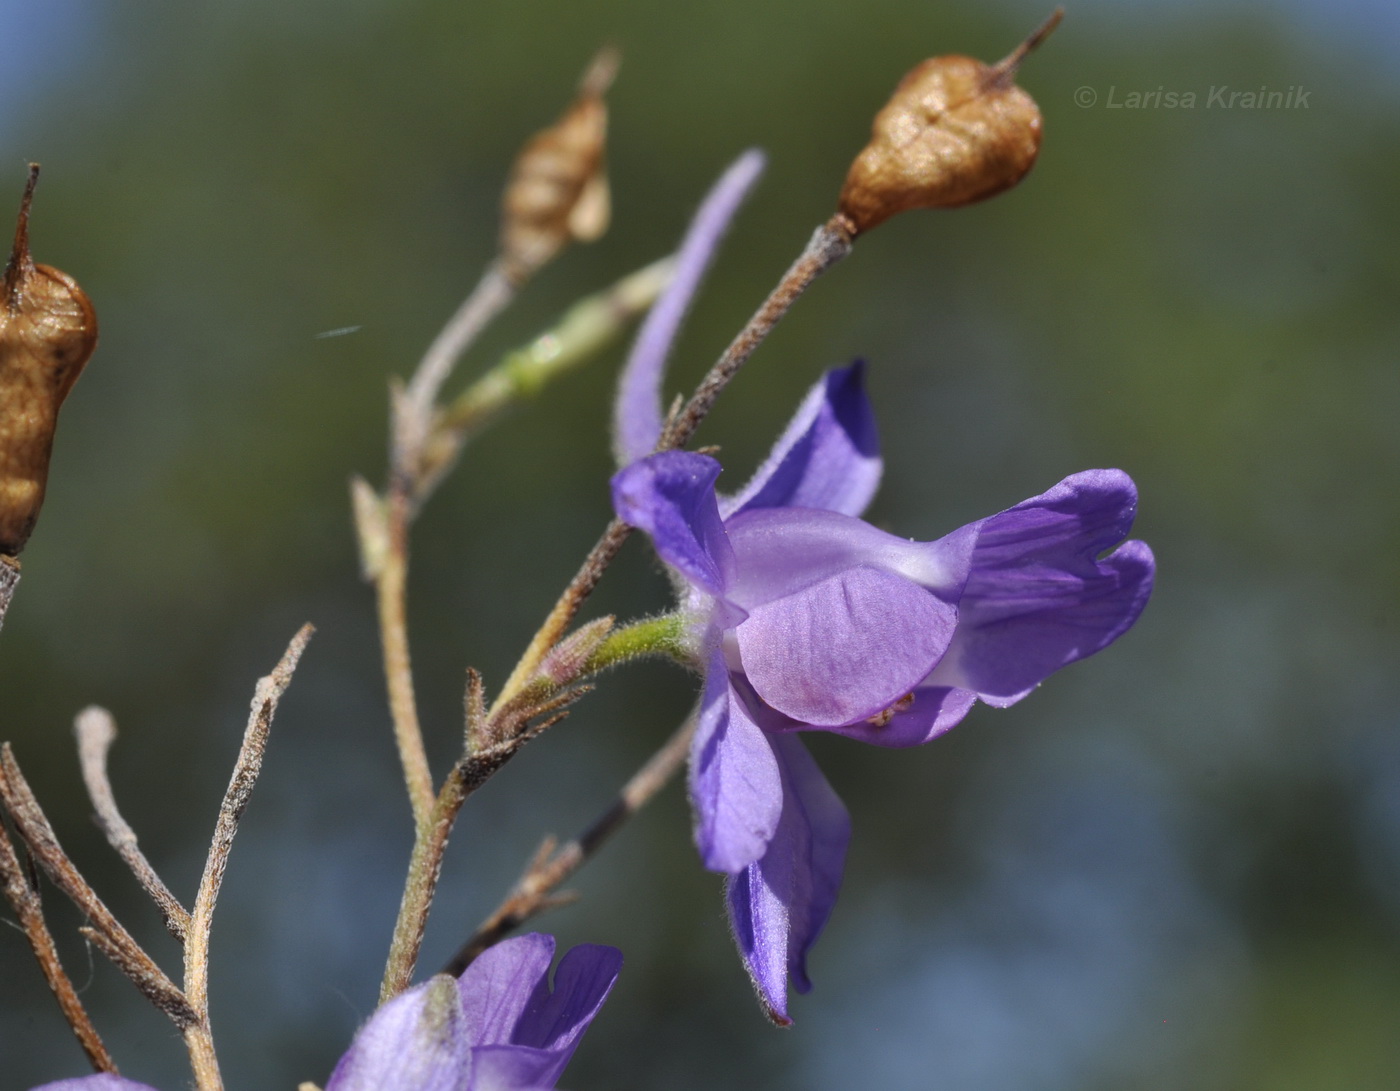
[803,617]
[499,1027]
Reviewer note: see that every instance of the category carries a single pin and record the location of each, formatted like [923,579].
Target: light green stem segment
[666,635]
[586,328]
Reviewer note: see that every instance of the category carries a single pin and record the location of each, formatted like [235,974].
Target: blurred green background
[1177,865]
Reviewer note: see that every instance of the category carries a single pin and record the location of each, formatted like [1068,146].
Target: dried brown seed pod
[558,188]
[48,330]
[954,132]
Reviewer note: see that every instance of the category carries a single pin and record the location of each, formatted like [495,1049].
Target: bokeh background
[1178,864]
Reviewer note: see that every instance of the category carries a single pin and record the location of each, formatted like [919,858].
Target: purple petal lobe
[523,1033]
[556,1020]
[829,456]
[513,1068]
[1038,596]
[735,785]
[103,1081]
[502,984]
[416,1041]
[779,905]
[671,496]
[779,551]
[846,648]
[637,416]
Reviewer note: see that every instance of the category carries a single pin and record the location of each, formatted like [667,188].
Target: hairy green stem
[589,326]
[424,868]
[665,635]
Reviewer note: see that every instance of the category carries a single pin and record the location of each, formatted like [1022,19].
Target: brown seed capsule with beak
[48,330]
[558,188]
[954,132]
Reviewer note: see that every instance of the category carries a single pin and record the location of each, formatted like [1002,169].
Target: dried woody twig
[96,731]
[105,931]
[24,899]
[270,688]
[534,893]
[187,1007]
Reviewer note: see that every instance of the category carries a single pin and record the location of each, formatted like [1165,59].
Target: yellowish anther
[882,719]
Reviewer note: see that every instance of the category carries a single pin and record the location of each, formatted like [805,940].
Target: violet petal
[502,984]
[523,1033]
[513,1068]
[735,785]
[1038,596]
[671,496]
[555,1021]
[102,1081]
[779,905]
[828,457]
[779,551]
[846,648]
[415,1042]
[637,416]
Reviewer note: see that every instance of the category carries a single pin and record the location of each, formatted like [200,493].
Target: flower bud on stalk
[558,188]
[954,132]
[48,330]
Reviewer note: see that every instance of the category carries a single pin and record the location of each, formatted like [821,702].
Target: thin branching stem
[33,828]
[24,899]
[427,441]
[96,731]
[414,408]
[424,868]
[480,761]
[199,1038]
[426,444]
[580,587]
[391,590]
[829,244]
[492,294]
[534,893]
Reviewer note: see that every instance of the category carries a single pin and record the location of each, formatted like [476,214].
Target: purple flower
[804,618]
[807,618]
[499,1027]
